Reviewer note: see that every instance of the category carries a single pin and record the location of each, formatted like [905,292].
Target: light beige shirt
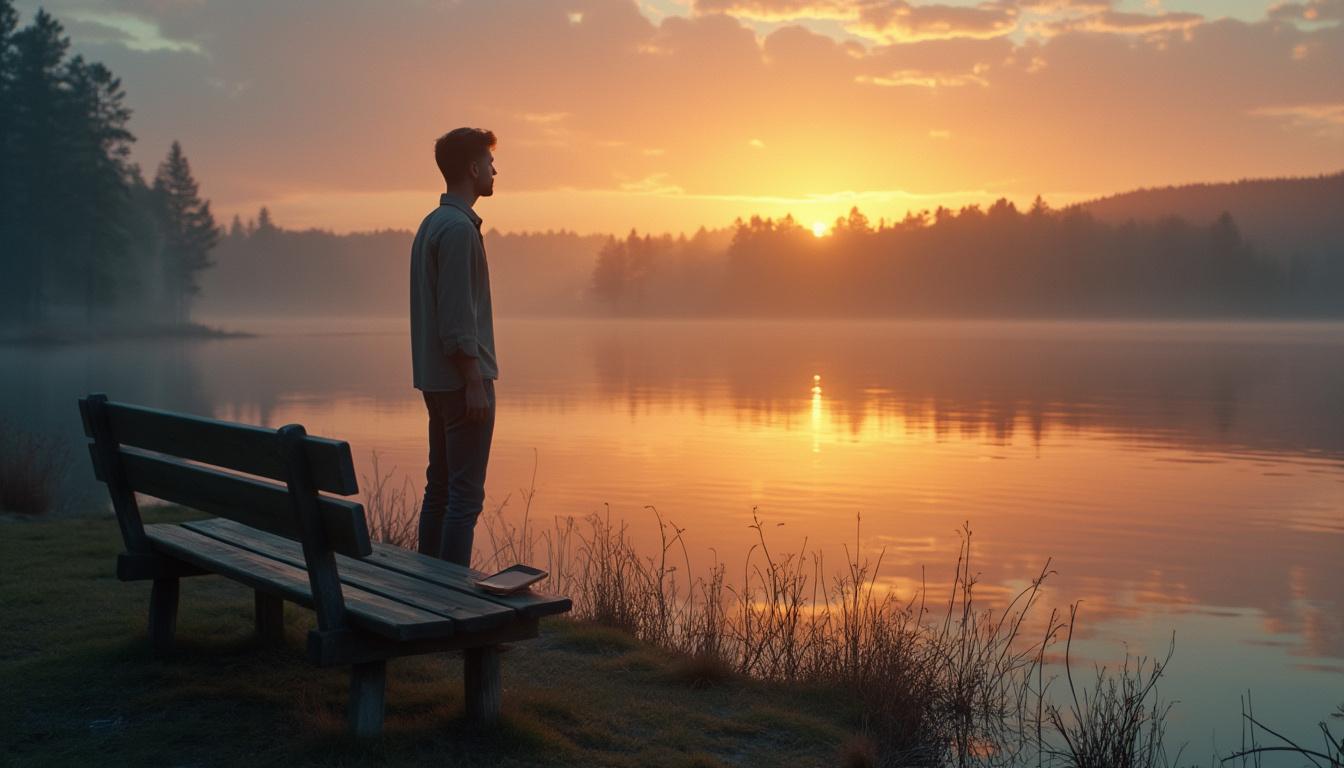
[450,298]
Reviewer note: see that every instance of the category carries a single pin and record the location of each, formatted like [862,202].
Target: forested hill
[1282,218]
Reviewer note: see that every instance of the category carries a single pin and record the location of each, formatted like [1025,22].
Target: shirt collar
[461,205]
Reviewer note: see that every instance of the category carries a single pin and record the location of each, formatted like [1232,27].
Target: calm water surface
[1182,478]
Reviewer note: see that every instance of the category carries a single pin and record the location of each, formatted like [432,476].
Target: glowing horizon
[667,116]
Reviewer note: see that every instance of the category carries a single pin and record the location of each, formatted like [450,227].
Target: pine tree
[32,187]
[189,231]
[97,174]
[9,182]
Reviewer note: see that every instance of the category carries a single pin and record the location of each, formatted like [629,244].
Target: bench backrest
[137,433]
[165,455]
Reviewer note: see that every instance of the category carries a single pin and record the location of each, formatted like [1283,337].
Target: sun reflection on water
[818,414]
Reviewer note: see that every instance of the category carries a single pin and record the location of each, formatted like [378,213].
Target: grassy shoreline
[80,685]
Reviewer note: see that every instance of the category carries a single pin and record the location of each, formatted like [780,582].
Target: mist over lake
[1182,477]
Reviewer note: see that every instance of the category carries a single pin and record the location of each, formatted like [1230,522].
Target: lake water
[1184,478]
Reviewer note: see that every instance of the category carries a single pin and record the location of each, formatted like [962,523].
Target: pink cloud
[1309,11]
[780,10]
[1120,23]
[899,21]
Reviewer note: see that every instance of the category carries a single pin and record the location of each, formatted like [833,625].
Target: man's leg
[468,446]
[435,503]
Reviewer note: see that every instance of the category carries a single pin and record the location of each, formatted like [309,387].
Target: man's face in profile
[483,172]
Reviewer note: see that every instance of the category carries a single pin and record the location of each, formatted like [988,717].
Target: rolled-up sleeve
[455,292]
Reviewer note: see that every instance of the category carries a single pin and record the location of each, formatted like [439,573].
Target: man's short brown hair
[456,149]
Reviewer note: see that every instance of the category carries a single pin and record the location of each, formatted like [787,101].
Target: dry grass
[30,468]
[1119,723]
[1330,755]
[961,684]
[391,511]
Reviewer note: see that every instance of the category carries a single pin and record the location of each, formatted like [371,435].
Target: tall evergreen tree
[96,155]
[9,182]
[34,190]
[189,231]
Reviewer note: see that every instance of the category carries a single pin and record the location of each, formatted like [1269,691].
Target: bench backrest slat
[251,502]
[239,447]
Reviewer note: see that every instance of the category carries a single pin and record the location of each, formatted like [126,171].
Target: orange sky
[664,115]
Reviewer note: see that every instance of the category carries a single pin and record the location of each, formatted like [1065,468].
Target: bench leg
[368,681]
[270,618]
[481,676]
[163,615]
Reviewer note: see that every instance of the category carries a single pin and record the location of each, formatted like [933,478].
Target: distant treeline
[1088,260]
[973,262]
[263,269]
[84,236]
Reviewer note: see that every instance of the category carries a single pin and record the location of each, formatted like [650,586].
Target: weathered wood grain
[257,503]
[482,680]
[374,613]
[472,613]
[240,447]
[368,682]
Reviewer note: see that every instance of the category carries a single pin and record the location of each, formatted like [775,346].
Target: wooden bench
[289,541]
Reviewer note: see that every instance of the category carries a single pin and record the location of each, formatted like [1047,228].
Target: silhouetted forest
[85,237]
[992,262]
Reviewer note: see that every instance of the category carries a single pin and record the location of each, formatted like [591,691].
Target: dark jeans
[455,480]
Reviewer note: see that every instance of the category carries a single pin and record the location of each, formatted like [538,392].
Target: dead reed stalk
[30,470]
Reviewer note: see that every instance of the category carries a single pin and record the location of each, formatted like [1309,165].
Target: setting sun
[818,229]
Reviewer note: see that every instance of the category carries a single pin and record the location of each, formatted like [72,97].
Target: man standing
[453,345]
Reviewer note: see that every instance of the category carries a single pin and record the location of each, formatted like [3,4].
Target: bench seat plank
[471,613]
[531,603]
[427,569]
[374,613]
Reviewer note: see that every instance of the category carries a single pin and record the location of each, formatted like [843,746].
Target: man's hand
[478,407]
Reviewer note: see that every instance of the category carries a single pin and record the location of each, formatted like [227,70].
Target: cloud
[1326,119]
[780,10]
[544,118]
[1064,6]
[923,79]
[886,20]
[1310,11]
[132,31]
[1120,23]
[893,21]
[653,184]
